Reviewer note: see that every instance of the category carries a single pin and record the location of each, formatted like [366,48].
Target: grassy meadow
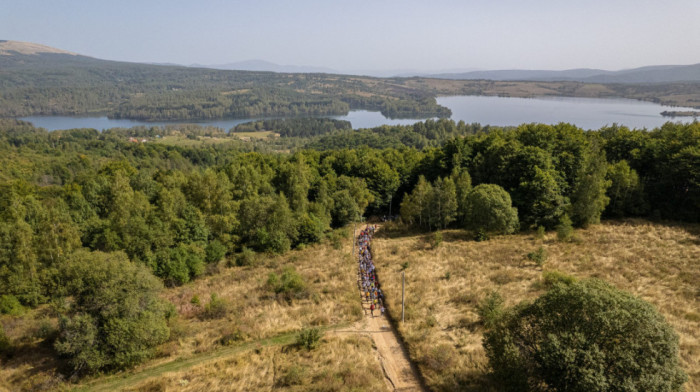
[246,342]
[657,262]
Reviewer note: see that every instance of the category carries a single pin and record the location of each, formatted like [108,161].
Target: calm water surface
[587,113]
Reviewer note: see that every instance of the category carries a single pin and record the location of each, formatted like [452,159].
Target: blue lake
[587,113]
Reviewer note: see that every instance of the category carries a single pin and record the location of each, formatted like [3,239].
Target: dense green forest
[69,199]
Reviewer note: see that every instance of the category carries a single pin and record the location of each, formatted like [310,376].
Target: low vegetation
[582,336]
[446,318]
[231,316]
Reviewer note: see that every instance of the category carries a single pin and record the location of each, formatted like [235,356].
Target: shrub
[246,257]
[337,237]
[552,278]
[309,338]
[231,336]
[9,304]
[490,309]
[540,233]
[5,344]
[436,240]
[289,285]
[214,251]
[565,231]
[45,330]
[539,256]
[216,308]
[294,375]
[481,235]
[584,336]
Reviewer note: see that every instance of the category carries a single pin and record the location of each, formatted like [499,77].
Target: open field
[254,135]
[184,141]
[659,263]
[248,346]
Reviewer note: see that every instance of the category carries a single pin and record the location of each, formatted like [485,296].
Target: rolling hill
[651,74]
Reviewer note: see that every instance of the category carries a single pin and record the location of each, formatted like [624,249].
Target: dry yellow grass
[254,313]
[338,364]
[659,263]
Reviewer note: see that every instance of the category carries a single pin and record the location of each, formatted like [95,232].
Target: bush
[539,256]
[490,309]
[337,237]
[45,330]
[294,375]
[5,344]
[309,338]
[214,251]
[290,284]
[565,230]
[552,278]
[9,304]
[216,308]
[436,240]
[540,233]
[246,257]
[584,336]
[231,336]
[481,235]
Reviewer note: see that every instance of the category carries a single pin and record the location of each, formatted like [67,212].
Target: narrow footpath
[396,365]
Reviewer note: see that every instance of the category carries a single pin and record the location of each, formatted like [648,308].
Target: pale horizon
[389,35]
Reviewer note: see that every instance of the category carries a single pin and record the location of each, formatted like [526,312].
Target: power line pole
[403,294]
[353,239]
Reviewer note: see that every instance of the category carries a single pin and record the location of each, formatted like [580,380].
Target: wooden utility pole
[353,239]
[403,294]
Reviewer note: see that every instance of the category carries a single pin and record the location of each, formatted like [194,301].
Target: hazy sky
[362,35]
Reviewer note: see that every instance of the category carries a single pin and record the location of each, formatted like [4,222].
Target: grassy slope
[263,357]
[659,263]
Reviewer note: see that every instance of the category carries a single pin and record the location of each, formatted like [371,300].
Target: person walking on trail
[371,309]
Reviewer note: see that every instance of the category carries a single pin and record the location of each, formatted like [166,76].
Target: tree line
[69,200]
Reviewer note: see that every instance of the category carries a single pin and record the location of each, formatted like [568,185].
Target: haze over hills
[266,66]
[22,54]
[650,74]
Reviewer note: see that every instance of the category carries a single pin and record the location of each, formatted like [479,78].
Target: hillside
[444,284]
[37,80]
[52,82]
[642,75]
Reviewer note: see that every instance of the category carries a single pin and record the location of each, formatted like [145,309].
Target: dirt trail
[397,368]
[400,374]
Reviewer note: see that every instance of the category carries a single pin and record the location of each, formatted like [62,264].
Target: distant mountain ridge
[266,66]
[650,74]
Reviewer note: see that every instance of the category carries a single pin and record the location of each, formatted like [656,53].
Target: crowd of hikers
[369,285]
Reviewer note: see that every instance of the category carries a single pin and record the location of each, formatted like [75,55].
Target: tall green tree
[588,199]
[489,207]
[114,318]
[584,336]
[443,202]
